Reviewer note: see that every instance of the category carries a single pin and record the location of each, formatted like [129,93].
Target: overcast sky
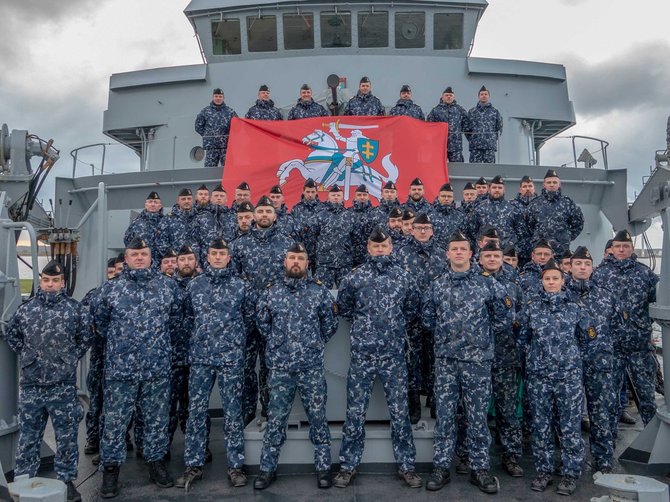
[58,55]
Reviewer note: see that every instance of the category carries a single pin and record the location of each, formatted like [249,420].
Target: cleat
[237,478]
[410,477]
[72,494]
[567,486]
[110,482]
[540,483]
[159,474]
[344,478]
[484,481]
[264,480]
[324,479]
[463,466]
[208,456]
[438,478]
[191,474]
[512,467]
[92,447]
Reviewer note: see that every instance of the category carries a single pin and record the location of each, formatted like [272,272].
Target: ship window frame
[284,27]
[445,33]
[398,26]
[214,24]
[360,22]
[250,21]
[335,12]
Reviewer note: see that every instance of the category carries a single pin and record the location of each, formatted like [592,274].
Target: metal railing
[603,148]
[75,154]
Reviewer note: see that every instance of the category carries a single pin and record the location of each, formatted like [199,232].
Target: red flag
[349,151]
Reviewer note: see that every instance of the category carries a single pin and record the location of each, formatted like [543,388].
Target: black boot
[414,406]
[92,447]
[438,478]
[324,479]
[264,480]
[484,481]
[159,474]
[72,494]
[110,482]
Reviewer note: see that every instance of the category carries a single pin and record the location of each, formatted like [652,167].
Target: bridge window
[262,33]
[299,31]
[336,29]
[373,29]
[410,30]
[226,37]
[448,31]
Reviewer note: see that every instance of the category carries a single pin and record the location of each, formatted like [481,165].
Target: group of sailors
[457,303]
[481,125]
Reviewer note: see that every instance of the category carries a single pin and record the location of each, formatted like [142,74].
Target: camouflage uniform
[364,105]
[94,377]
[286,223]
[398,239]
[178,229]
[462,309]
[407,108]
[530,279]
[380,214]
[484,126]
[297,318]
[555,217]
[264,110]
[303,214]
[457,118]
[361,213]
[525,243]
[306,109]
[420,206]
[217,222]
[446,219]
[334,228]
[213,124]
[551,324]
[597,363]
[635,284]
[145,226]
[222,308]
[49,333]
[135,315]
[379,299]
[500,214]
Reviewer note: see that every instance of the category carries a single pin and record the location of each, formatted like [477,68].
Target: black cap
[217,90]
[490,232]
[120,258]
[422,219]
[622,236]
[469,186]
[263,87]
[481,181]
[567,254]
[408,214]
[218,244]
[378,234]
[608,244]
[483,88]
[362,189]
[396,212]
[509,251]
[185,192]
[491,246]
[203,187]
[297,247]
[185,249]
[169,254]
[446,188]
[498,180]
[405,88]
[416,182]
[245,207]
[551,265]
[276,190]
[458,236]
[526,179]
[137,243]
[335,189]
[551,173]
[309,183]
[364,80]
[111,262]
[153,196]
[582,253]
[305,87]
[264,201]
[53,268]
[243,186]
[543,243]
[389,185]
[448,90]
[218,188]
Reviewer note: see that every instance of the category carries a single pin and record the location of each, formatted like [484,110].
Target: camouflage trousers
[601,404]
[470,381]
[94,381]
[331,276]
[200,384]
[505,384]
[178,401]
[455,156]
[37,404]
[561,397]
[153,397]
[642,368]
[413,356]
[254,383]
[479,156]
[215,157]
[427,364]
[311,387]
[393,375]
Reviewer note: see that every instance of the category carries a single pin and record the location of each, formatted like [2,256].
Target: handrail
[24,225]
[603,148]
[74,153]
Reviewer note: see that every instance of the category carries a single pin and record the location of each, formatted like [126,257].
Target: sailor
[394,228]
[447,219]
[242,194]
[285,221]
[597,359]
[522,202]
[463,307]
[469,197]
[135,315]
[303,213]
[379,299]
[511,257]
[168,263]
[222,307]
[388,202]
[245,220]
[405,106]
[554,216]
[423,257]
[565,261]
[482,188]
[506,367]
[119,263]
[306,107]
[145,225]
[635,285]
[296,316]
[49,333]
[416,200]
[494,210]
[407,221]
[202,198]
[485,125]
[264,109]
[178,228]
[218,222]
[364,103]
[531,273]
[333,228]
[447,110]
[363,223]
[213,124]
[552,324]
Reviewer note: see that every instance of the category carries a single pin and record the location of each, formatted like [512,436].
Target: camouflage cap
[408,214]
[137,243]
[153,196]
[422,219]
[446,188]
[245,207]
[362,189]
[53,268]
[582,253]
[396,212]
[622,236]
[218,244]
[378,234]
[297,247]
[491,246]
[184,250]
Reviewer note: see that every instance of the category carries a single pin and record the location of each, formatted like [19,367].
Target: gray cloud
[573,3]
